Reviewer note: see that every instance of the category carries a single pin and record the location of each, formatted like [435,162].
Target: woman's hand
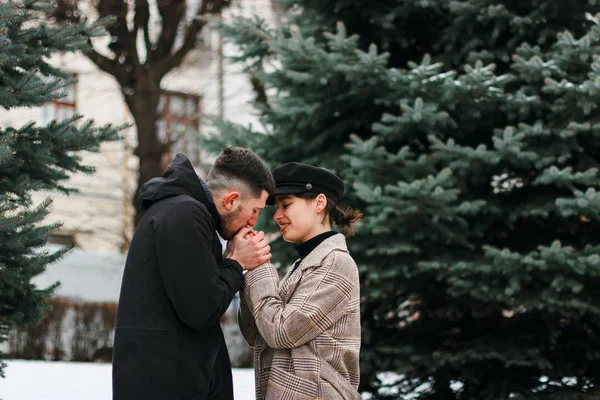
[249,248]
[231,243]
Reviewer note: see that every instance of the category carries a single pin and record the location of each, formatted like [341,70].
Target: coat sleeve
[321,298]
[199,288]
[246,321]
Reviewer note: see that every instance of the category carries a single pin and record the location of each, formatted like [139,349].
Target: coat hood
[179,178]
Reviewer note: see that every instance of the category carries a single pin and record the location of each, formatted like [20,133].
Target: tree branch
[259,88]
[68,10]
[123,42]
[106,64]
[214,7]
[110,66]
[141,20]
[171,18]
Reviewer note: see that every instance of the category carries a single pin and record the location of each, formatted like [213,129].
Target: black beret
[298,178]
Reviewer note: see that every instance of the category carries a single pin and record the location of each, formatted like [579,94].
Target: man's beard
[226,232]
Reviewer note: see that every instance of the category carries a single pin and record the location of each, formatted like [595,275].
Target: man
[177,284]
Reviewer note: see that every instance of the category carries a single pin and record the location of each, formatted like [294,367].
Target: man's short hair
[241,169]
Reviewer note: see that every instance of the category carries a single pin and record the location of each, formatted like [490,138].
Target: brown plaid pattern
[305,330]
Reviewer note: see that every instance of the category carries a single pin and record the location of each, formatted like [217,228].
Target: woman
[305,329]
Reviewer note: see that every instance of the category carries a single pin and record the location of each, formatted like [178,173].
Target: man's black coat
[176,286]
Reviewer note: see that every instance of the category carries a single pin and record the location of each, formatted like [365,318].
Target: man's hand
[231,242]
[250,248]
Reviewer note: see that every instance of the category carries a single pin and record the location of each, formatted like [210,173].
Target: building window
[62,108]
[179,123]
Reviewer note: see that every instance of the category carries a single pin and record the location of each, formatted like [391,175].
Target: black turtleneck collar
[305,248]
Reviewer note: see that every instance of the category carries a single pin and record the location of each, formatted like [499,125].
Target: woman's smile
[283,226]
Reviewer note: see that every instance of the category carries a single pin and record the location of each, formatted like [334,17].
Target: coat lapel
[314,259]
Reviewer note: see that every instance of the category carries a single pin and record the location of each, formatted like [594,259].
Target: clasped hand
[249,248]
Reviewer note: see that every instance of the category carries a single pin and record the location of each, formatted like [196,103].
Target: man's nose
[253,219]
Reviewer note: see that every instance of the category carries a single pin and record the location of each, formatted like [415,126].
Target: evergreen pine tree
[33,157]
[476,167]
[483,252]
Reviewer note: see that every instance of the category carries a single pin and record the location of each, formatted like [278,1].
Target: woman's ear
[320,202]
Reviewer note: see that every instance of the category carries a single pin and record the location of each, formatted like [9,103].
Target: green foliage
[471,145]
[32,157]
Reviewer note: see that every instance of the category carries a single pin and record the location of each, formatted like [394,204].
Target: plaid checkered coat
[305,330]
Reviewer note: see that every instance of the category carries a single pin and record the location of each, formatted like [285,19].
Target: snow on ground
[46,380]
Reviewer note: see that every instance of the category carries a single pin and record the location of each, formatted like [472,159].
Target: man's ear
[320,202]
[231,200]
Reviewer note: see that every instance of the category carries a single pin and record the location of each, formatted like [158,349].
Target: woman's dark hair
[343,219]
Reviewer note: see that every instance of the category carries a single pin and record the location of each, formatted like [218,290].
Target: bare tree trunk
[143,104]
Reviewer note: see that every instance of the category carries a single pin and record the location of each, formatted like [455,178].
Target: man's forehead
[258,202]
